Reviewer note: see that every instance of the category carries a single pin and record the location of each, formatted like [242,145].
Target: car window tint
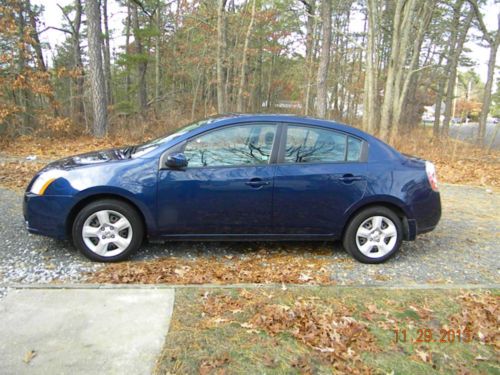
[353,149]
[314,145]
[235,145]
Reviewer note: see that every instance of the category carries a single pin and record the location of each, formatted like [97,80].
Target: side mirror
[176,161]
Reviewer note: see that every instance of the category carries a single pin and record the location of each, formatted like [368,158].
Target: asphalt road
[468,133]
[463,249]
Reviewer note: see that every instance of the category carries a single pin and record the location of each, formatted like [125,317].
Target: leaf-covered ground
[320,330]
[293,266]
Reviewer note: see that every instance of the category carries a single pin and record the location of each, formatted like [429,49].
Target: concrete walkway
[83,331]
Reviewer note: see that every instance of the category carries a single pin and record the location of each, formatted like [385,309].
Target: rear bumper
[46,215]
[427,213]
[426,229]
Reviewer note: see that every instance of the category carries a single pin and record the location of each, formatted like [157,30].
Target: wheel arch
[392,204]
[84,201]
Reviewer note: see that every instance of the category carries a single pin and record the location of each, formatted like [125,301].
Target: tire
[373,235]
[108,230]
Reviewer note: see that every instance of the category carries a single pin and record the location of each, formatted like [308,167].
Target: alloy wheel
[107,233]
[376,236]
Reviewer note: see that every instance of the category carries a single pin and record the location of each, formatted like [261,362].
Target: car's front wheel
[108,230]
[373,235]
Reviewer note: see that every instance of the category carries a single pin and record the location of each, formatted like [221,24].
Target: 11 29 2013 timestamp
[427,335]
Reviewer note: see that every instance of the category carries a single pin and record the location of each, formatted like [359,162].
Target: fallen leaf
[28,357]
[424,356]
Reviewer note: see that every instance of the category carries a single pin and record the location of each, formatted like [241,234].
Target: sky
[53,17]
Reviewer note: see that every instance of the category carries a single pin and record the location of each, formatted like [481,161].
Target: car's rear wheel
[108,230]
[373,235]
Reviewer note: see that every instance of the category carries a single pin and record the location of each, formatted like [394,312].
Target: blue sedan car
[239,177]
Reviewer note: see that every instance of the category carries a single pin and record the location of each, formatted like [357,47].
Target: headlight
[43,181]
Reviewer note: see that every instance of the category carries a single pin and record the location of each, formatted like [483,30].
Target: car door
[320,174]
[227,186]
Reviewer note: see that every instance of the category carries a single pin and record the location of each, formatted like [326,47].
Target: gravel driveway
[463,249]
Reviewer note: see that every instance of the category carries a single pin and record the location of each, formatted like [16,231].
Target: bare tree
[239,103]
[77,106]
[424,15]
[324,60]
[142,60]
[35,40]
[128,23]
[37,47]
[493,40]
[221,56]
[458,37]
[159,30]
[97,82]
[311,24]
[24,97]
[371,89]
[401,26]
[107,52]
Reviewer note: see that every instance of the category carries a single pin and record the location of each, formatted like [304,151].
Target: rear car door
[320,174]
[227,186]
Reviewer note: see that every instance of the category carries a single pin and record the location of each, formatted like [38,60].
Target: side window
[314,145]
[232,146]
[353,149]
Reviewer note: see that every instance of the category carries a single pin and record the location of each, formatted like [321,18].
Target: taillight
[430,169]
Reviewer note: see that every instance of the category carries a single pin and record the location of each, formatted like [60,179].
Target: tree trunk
[158,58]
[400,37]
[107,52]
[424,18]
[239,103]
[128,23]
[324,60]
[25,99]
[310,30]
[40,62]
[371,89]
[141,63]
[221,56]
[97,82]
[458,38]
[78,108]
[37,47]
[483,117]
[437,110]
[310,67]
[269,95]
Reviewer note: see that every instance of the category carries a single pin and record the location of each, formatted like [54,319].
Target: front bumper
[47,214]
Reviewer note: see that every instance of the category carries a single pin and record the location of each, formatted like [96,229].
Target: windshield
[151,145]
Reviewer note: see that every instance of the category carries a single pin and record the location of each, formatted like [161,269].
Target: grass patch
[325,329]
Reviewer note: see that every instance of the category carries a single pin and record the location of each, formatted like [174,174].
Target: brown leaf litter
[480,314]
[330,331]
[263,267]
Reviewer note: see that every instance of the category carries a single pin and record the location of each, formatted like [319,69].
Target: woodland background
[182,60]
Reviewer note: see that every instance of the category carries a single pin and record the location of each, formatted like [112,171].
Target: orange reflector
[46,185]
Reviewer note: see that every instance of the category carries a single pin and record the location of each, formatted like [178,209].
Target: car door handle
[350,177]
[256,182]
